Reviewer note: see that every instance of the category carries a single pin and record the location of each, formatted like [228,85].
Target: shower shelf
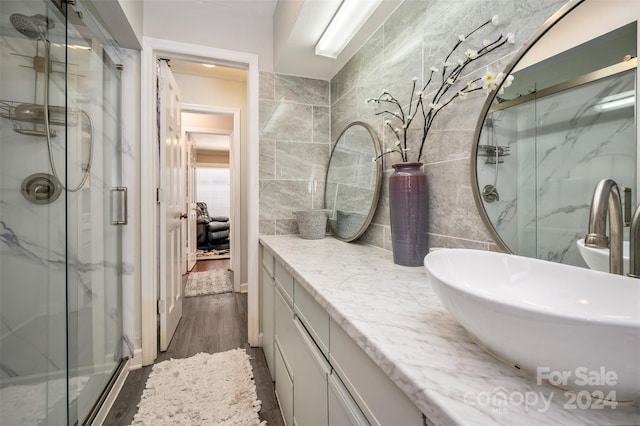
[34,113]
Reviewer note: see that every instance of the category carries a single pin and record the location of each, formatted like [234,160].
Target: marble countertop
[394,315]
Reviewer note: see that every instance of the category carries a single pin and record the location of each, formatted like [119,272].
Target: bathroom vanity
[352,338]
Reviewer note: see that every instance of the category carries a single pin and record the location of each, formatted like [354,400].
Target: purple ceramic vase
[408,213]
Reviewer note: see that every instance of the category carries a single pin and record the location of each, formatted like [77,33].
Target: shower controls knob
[41,188]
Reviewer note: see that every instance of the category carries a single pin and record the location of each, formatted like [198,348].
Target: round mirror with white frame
[566,122]
[353,181]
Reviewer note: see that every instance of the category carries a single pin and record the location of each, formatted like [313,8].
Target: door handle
[184,216]
[125,206]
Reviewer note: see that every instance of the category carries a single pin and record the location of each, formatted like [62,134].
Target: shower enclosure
[62,208]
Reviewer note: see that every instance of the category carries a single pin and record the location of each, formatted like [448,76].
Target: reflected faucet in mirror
[607,201]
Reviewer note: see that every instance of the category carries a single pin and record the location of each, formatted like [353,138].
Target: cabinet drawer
[378,397]
[285,281]
[343,410]
[268,319]
[284,388]
[268,261]
[285,332]
[313,316]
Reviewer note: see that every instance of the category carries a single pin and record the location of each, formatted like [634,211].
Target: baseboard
[244,288]
[135,363]
[112,396]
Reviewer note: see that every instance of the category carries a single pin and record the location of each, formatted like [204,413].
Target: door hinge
[158,195]
[161,306]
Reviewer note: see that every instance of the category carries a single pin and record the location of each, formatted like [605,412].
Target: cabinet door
[284,388]
[310,376]
[268,319]
[343,410]
[285,333]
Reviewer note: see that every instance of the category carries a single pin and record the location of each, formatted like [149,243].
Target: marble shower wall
[565,147]
[417,36]
[55,265]
[295,145]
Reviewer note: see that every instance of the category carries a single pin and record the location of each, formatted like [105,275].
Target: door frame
[236,177]
[153,49]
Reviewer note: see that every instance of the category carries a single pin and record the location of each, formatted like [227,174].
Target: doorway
[215,133]
[248,164]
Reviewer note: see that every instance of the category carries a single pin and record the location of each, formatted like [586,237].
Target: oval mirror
[566,122]
[353,181]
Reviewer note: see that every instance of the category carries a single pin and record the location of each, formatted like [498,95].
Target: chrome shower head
[34,27]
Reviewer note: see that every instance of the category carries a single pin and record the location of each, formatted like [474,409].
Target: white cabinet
[322,377]
[267,310]
[313,316]
[286,343]
[284,388]
[268,320]
[343,410]
[378,397]
[311,371]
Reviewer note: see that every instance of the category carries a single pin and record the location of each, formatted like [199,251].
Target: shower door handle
[124,206]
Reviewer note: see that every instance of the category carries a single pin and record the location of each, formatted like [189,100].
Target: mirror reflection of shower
[494,154]
[36,27]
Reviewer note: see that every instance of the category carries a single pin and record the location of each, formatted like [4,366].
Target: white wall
[196,22]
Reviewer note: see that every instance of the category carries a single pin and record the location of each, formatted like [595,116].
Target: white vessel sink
[598,258]
[549,319]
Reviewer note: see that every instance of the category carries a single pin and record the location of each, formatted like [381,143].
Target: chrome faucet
[606,200]
[634,245]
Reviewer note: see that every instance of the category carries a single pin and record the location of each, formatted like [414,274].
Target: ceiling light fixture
[208,65]
[347,21]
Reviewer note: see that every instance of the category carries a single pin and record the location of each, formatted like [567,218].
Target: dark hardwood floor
[205,265]
[209,324]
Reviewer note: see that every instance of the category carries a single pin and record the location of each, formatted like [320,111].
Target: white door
[171,197]
[192,238]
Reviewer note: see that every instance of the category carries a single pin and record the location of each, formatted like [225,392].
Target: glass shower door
[95,214]
[61,210]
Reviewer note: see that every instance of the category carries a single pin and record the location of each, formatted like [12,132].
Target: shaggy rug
[208,282]
[205,389]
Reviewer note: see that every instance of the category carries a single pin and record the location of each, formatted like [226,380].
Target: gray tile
[452,209]
[321,124]
[267,159]
[301,161]
[267,86]
[280,198]
[302,90]
[286,121]
[374,235]
[436,240]
[447,145]
[266,226]
[286,227]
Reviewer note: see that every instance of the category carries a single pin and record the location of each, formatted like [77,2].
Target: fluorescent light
[208,65]
[347,21]
[613,102]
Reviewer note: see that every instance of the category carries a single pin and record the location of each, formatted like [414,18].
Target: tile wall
[416,37]
[295,145]
[299,117]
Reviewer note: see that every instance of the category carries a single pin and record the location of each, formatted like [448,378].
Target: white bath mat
[208,282]
[205,389]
